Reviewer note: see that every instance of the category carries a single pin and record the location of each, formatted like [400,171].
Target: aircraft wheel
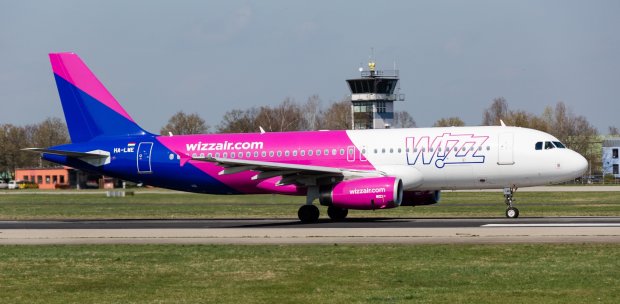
[512,212]
[308,214]
[336,213]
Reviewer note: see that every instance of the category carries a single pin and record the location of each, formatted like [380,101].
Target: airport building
[373,96]
[611,162]
[60,178]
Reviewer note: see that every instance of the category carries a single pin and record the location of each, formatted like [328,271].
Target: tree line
[574,130]
[50,132]
[286,116]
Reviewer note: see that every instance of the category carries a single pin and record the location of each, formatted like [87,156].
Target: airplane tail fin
[90,110]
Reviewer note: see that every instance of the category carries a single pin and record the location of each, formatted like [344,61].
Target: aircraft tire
[308,214]
[512,212]
[336,213]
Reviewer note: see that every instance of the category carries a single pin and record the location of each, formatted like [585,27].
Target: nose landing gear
[511,211]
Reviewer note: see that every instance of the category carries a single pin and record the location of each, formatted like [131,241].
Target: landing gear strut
[309,213]
[511,211]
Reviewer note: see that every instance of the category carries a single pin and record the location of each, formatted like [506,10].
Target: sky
[210,57]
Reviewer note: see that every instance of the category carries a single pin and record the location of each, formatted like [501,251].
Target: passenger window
[375,151]
[303,153]
[391,150]
[399,150]
[326,152]
[217,154]
[270,153]
[279,153]
[334,152]
[538,145]
[341,151]
[383,150]
[287,153]
[309,152]
[248,154]
[255,153]
[318,152]
[232,154]
[294,152]
[240,154]
[263,154]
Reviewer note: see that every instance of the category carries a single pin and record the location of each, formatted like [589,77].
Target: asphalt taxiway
[291,231]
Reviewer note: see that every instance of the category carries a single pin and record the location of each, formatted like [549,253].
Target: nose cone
[578,165]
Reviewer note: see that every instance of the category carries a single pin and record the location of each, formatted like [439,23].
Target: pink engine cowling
[419,198]
[363,193]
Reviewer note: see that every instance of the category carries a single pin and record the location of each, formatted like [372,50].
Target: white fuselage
[468,157]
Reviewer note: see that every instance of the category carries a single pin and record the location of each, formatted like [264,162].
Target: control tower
[373,96]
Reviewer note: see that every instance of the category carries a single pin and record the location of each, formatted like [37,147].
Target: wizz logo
[446,149]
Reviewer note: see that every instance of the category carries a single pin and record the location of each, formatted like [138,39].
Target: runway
[290,231]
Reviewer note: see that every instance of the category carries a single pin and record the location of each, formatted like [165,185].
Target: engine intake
[363,194]
[420,198]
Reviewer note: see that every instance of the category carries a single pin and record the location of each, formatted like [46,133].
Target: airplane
[345,169]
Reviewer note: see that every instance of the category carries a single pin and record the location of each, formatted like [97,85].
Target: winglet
[502,123]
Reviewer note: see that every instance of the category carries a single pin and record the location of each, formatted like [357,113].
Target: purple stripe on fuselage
[285,147]
[71,68]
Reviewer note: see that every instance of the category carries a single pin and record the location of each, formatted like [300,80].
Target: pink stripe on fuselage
[70,67]
[203,145]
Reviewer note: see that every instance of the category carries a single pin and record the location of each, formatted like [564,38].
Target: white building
[611,161]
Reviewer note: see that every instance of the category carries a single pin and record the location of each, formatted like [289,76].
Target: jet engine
[363,194]
[420,198]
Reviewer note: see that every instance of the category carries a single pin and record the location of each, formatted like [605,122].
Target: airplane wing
[291,173]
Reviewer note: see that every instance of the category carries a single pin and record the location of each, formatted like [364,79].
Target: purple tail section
[90,110]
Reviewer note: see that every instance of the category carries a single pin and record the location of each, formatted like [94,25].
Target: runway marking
[555,225]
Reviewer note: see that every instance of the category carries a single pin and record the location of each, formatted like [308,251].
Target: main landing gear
[310,213]
[511,211]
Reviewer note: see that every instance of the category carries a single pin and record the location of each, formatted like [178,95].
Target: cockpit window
[549,145]
[559,145]
[539,145]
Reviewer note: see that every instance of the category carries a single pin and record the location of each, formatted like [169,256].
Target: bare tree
[613,131]
[239,121]
[337,116]
[311,112]
[287,116]
[498,110]
[449,122]
[12,140]
[402,119]
[50,132]
[526,120]
[181,123]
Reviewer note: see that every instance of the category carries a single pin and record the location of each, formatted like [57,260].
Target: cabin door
[505,149]
[144,157]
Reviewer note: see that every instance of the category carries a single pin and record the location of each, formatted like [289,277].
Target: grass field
[310,274]
[168,205]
